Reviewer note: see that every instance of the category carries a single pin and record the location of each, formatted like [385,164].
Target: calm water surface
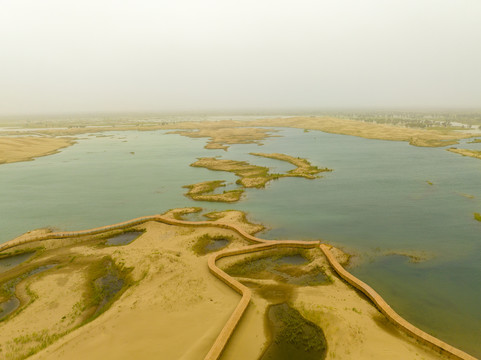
[377,199]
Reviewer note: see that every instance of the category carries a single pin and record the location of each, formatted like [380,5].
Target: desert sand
[13,149]
[171,307]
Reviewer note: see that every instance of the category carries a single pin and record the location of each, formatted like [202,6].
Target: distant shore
[220,134]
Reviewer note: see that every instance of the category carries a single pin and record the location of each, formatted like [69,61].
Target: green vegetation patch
[292,336]
[35,342]
[303,166]
[288,266]
[275,294]
[203,192]
[477,216]
[207,244]
[250,175]
[107,282]
[178,214]
[10,303]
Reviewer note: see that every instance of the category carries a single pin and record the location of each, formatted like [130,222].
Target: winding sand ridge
[14,149]
[303,166]
[198,318]
[465,152]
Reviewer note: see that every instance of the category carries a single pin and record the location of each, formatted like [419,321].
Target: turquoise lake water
[376,200]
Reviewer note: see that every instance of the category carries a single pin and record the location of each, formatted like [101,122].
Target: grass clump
[303,166]
[207,243]
[477,216]
[107,282]
[292,336]
[203,192]
[289,266]
[251,176]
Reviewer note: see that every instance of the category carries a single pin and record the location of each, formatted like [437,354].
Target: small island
[250,176]
[465,152]
[202,192]
[303,166]
[221,138]
[258,176]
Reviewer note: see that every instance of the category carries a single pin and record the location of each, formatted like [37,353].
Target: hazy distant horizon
[233,113]
[103,56]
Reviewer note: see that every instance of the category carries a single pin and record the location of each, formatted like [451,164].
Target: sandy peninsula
[154,295]
[14,149]
[465,152]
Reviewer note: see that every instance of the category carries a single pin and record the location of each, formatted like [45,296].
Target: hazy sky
[97,55]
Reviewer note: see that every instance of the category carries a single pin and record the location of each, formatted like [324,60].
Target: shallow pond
[285,268]
[9,262]
[108,286]
[9,306]
[123,239]
[216,244]
[377,199]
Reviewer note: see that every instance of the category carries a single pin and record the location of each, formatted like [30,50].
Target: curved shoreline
[32,147]
[261,244]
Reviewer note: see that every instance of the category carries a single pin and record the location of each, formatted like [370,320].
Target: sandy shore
[235,131]
[173,307]
[465,152]
[221,134]
[14,149]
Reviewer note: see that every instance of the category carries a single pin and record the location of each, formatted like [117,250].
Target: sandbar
[465,152]
[14,149]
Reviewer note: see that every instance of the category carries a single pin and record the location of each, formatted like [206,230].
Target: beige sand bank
[174,307]
[13,149]
[465,152]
